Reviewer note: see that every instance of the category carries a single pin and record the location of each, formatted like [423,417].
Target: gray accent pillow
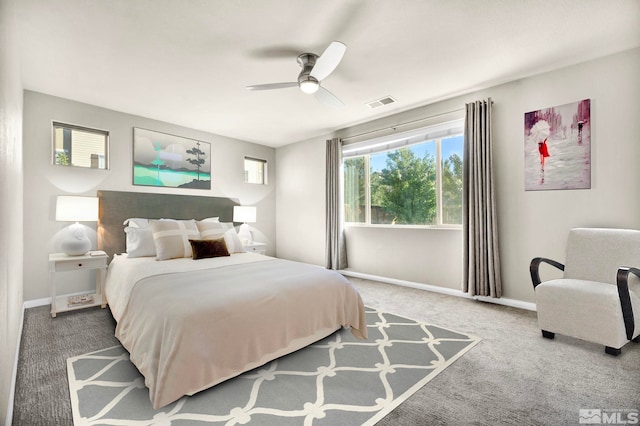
[171,237]
[214,230]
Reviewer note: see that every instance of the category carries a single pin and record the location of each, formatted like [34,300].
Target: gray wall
[530,223]
[43,181]
[10,205]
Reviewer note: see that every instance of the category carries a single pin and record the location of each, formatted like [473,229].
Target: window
[414,178]
[255,170]
[80,146]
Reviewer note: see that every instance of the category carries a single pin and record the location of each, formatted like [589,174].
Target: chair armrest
[535,265]
[622,280]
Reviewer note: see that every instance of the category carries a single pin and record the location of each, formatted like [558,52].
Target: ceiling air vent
[381,102]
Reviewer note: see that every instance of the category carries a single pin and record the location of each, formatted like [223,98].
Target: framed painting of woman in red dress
[557,147]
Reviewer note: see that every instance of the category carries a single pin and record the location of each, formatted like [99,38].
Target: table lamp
[245,214]
[76,209]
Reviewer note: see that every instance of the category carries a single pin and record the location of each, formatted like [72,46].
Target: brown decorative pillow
[203,249]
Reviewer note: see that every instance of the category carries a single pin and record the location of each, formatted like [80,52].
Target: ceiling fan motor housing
[307,61]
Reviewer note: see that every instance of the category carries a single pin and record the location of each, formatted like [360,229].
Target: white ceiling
[187,62]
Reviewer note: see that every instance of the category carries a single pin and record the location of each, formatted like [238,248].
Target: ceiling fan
[314,69]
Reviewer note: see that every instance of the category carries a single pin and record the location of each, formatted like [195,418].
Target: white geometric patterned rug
[337,381]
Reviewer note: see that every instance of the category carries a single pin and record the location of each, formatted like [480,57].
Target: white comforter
[189,325]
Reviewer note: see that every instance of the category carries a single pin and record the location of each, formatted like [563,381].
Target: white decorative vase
[76,242]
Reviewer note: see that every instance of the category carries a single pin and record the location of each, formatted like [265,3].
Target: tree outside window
[420,184]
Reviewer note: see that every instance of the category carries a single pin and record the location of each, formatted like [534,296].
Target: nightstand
[260,248]
[60,262]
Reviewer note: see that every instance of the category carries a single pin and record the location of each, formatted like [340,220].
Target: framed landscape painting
[160,159]
[557,147]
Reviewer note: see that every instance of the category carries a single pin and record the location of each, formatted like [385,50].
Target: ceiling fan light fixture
[314,70]
[309,86]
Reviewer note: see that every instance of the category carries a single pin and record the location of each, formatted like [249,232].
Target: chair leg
[612,351]
[636,339]
[547,334]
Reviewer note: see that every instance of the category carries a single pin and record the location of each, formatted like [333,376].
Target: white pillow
[171,237]
[140,242]
[234,245]
[211,219]
[214,230]
[137,222]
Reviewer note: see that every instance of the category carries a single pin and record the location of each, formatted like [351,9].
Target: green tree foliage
[404,192]
[354,190]
[62,158]
[405,189]
[452,190]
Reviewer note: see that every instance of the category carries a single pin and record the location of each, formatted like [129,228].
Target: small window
[255,170]
[80,146]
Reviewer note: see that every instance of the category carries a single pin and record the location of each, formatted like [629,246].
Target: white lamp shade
[76,209]
[246,214]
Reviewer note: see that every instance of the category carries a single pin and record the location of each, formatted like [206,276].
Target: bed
[191,324]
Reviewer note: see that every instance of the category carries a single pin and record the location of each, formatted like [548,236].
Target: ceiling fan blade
[328,61]
[272,86]
[328,98]
[276,52]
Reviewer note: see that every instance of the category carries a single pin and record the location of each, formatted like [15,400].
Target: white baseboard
[14,375]
[444,290]
[428,287]
[508,302]
[37,302]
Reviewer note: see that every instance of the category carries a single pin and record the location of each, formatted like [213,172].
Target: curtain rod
[402,124]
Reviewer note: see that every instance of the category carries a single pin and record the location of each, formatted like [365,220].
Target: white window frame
[264,170]
[435,133]
[103,163]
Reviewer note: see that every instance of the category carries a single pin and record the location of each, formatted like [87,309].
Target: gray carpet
[513,377]
[42,391]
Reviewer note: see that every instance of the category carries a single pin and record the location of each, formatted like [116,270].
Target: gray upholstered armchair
[598,297]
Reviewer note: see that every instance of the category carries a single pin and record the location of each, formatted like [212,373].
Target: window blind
[408,138]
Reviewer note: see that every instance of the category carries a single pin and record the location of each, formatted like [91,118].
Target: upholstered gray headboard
[117,206]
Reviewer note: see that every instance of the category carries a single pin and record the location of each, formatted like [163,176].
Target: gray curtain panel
[481,273]
[336,253]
